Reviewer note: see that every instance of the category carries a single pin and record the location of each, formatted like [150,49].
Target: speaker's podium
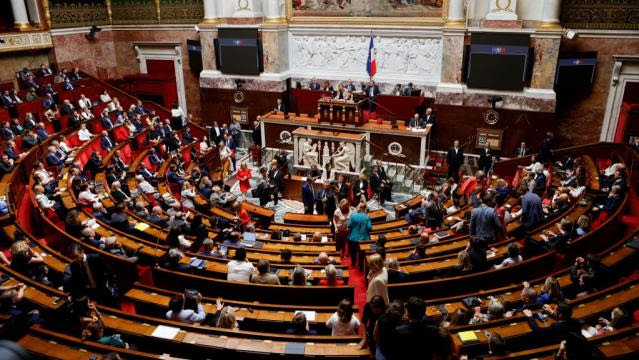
[340,112]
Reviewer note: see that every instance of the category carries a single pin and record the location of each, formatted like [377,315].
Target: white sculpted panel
[412,59]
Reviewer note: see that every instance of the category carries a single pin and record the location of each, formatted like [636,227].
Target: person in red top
[244,175]
[242,215]
[331,277]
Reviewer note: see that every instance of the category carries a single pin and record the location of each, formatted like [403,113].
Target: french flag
[371,64]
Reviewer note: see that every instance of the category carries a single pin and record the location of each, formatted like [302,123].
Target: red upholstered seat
[120,133]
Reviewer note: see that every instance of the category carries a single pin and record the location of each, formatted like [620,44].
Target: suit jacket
[308,195]
[276,178]
[7,101]
[119,195]
[419,124]
[216,134]
[106,122]
[7,133]
[519,151]
[29,124]
[42,134]
[174,178]
[455,159]
[48,103]
[67,109]
[257,135]
[342,191]
[430,119]
[357,189]
[279,108]
[146,174]
[314,86]
[67,86]
[106,143]
[407,91]
[31,84]
[485,159]
[329,206]
[75,276]
[375,91]
[375,182]
[154,158]
[12,153]
[545,152]
[531,210]
[350,87]
[28,142]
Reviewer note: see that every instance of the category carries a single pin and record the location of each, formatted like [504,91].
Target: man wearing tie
[455,159]
[105,120]
[314,85]
[416,122]
[6,131]
[41,132]
[371,92]
[429,118]
[279,107]
[350,87]
[308,196]
[105,142]
[522,150]
[11,151]
[275,180]
[52,159]
[485,159]
[325,202]
[408,91]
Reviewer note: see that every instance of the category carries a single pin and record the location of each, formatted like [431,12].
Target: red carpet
[357,279]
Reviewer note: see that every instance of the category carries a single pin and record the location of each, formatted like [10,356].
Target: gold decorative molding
[367,20]
[65,15]
[549,25]
[109,11]
[600,14]
[456,24]
[14,42]
[275,21]
[47,14]
[182,11]
[158,11]
[134,12]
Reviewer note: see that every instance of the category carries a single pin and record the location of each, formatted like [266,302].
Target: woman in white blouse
[239,269]
[204,144]
[84,134]
[178,117]
[105,98]
[377,279]
[84,102]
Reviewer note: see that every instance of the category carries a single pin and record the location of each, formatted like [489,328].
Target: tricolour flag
[371,64]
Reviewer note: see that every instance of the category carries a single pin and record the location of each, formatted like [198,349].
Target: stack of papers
[165,332]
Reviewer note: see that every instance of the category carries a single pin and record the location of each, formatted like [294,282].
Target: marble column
[550,15]
[456,14]
[211,12]
[274,12]
[34,13]
[275,46]
[208,34]
[20,15]
[450,89]
[248,9]
[546,55]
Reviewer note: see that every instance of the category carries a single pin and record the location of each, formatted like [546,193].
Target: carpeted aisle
[358,280]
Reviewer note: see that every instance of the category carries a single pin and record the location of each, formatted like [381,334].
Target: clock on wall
[491,117]
[238,97]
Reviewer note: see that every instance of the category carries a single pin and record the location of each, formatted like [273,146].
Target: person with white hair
[145,186]
[540,178]
[84,134]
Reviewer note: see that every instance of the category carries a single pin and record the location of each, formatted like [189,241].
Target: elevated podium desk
[411,146]
[340,112]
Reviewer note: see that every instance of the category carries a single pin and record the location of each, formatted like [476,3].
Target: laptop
[248,239]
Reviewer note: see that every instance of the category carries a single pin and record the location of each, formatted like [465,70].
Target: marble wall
[580,121]
[11,63]
[113,51]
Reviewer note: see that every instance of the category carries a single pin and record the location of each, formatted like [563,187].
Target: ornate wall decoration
[181,11]
[367,8]
[25,41]
[75,13]
[398,59]
[600,14]
[133,12]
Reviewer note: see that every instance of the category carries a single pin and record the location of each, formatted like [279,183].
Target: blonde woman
[227,319]
[244,176]
[340,222]
[377,279]
[188,195]
[225,158]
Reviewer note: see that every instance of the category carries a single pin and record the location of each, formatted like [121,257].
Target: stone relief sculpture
[345,55]
[344,157]
[309,153]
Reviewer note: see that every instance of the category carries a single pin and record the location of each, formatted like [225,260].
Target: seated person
[299,325]
[157,216]
[418,253]
[513,256]
[178,313]
[324,259]
[561,239]
[494,311]
[285,256]
[240,269]
[395,273]
[172,260]
[331,277]
[210,249]
[264,275]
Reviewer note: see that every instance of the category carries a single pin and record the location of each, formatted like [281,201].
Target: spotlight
[94,30]
[493,100]
[197,29]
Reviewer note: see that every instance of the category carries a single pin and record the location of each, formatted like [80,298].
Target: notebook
[467,337]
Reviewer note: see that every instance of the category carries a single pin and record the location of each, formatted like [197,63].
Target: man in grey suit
[531,210]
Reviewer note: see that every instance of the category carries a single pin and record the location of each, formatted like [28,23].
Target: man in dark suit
[455,159]
[29,121]
[105,120]
[314,85]
[41,132]
[67,108]
[216,133]
[173,177]
[120,218]
[146,173]
[531,209]
[485,159]
[16,127]
[408,339]
[30,83]
[377,185]
[88,275]
[11,151]
[325,200]
[74,120]
[106,142]
[522,150]
[416,122]
[429,117]
[408,91]
[545,151]
[565,328]
[276,180]
[387,189]
[154,157]
[49,102]
[6,131]
[350,87]
[371,91]
[308,196]
[45,70]
[257,132]
[341,188]
[279,107]
[29,140]
[52,159]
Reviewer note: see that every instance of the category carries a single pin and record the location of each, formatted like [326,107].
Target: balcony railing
[21,41]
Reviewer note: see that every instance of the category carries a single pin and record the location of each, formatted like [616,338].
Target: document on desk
[165,332]
[310,315]
[141,226]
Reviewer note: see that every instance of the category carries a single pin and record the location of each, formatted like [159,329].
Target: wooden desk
[340,112]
